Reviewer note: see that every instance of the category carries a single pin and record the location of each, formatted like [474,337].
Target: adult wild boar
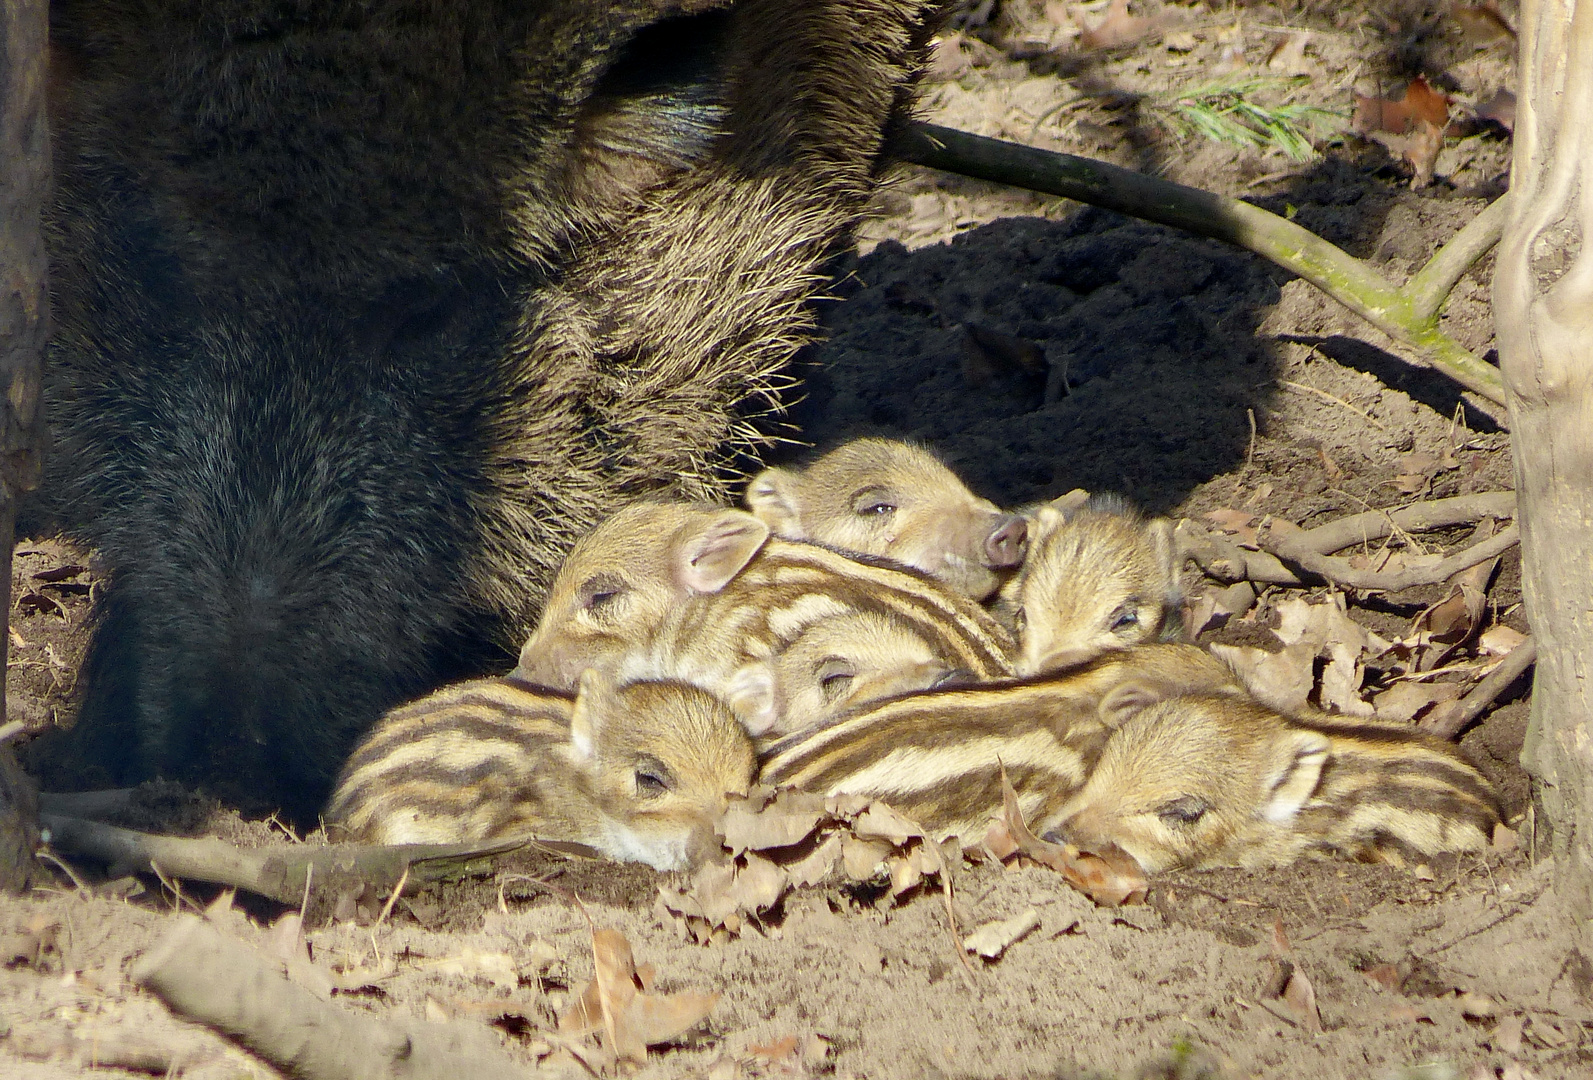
[365,308]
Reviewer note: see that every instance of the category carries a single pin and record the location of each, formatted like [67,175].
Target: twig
[204,975]
[1348,280]
[1417,517]
[105,1049]
[50,856]
[278,873]
[1290,384]
[1432,284]
[1340,572]
[1447,723]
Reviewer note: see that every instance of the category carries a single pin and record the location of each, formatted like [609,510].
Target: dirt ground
[1040,346]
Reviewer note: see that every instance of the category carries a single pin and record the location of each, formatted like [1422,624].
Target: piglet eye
[835,678]
[1184,810]
[1123,619]
[873,502]
[651,783]
[599,592]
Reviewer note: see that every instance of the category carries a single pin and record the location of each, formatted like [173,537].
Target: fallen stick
[278,872]
[1226,561]
[1417,517]
[205,976]
[103,1049]
[1408,317]
[1340,572]
[1450,718]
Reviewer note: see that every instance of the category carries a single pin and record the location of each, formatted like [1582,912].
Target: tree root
[1340,572]
[105,1050]
[278,873]
[204,975]
[1451,718]
[1409,315]
[1417,517]
[1226,561]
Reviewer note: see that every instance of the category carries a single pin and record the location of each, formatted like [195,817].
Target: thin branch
[1346,279]
[1340,572]
[1432,284]
[1417,517]
[279,873]
[1449,722]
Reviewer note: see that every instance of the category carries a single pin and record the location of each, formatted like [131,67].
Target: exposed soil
[1041,347]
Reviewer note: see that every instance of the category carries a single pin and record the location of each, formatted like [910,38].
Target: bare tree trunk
[1543,303]
[24,328]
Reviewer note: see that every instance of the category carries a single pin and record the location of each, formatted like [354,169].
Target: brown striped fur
[937,756]
[895,499]
[700,593]
[1097,577]
[1202,781]
[639,772]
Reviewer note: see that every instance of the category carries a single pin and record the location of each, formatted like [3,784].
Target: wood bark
[24,329]
[1543,304]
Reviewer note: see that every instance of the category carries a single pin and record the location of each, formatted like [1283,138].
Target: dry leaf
[861,859]
[772,826]
[1281,680]
[1420,103]
[1506,1035]
[1482,25]
[1110,877]
[1236,523]
[818,866]
[1499,640]
[1289,55]
[880,822]
[29,945]
[1300,997]
[776,1053]
[1341,682]
[1386,976]
[1117,28]
[1405,701]
[615,1001]
[496,967]
[992,939]
[1475,1006]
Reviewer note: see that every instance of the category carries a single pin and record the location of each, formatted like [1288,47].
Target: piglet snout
[1005,546]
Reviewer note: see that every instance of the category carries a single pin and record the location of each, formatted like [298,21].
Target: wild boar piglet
[1099,576]
[894,499]
[639,772]
[1205,780]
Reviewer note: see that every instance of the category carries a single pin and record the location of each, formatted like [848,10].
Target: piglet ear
[752,696]
[708,555]
[596,704]
[1067,504]
[1126,700]
[1302,756]
[1160,531]
[772,498]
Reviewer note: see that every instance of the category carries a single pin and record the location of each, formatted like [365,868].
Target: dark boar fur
[366,309]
